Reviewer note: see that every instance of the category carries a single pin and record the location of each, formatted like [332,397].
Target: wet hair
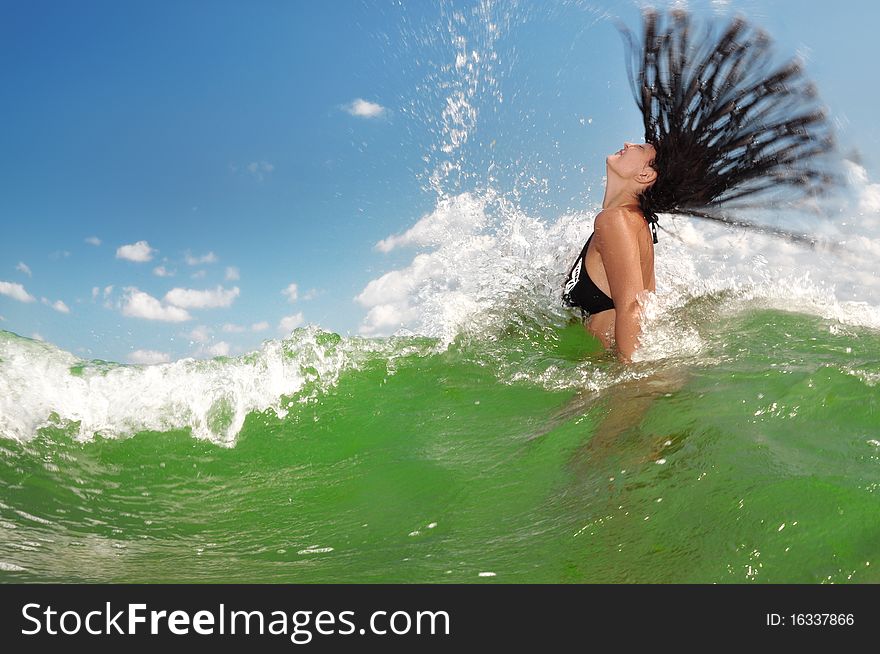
[729,131]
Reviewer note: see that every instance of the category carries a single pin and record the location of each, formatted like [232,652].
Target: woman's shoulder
[619,218]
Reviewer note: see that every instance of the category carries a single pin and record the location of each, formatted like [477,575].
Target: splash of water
[42,385]
[481,262]
[482,257]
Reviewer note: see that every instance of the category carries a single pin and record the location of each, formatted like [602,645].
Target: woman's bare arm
[616,233]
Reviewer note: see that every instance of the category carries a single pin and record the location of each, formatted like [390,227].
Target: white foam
[480,259]
[212,398]
[481,264]
[11,567]
[487,256]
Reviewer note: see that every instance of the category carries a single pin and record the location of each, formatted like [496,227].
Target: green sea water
[487,462]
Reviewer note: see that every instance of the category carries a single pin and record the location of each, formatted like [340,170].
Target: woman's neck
[618,193]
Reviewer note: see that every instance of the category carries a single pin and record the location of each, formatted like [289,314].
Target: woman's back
[620,261]
[596,269]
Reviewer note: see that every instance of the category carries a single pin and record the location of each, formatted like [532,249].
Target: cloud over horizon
[218,349]
[189,298]
[289,323]
[200,334]
[138,304]
[148,357]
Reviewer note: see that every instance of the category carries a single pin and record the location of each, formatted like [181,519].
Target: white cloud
[454,217]
[438,291]
[23,267]
[310,294]
[364,108]
[868,193]
[93,240]
[162,271]
[16,292]
[292,291]
[231,328]
[148,357]
[258,168]
[219,349]
[199,274]
[188,298]
[232,274]
[138,304]
[200,334]
[60,307]
[96,291]
[389,297]
[396,286]
[197,261]
[386,318]
[139,252]
[261,166]
[289,323]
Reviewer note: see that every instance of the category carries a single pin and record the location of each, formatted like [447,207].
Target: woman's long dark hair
[727,128]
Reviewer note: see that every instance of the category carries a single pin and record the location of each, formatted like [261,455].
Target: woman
[721,126]
[619,263]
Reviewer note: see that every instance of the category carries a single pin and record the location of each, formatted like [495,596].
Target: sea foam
[42,385]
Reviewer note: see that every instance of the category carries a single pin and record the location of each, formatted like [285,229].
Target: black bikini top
[580,291]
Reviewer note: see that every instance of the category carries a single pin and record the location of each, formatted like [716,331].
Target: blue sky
[213,153]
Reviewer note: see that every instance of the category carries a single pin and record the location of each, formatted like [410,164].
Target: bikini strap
[580,256]
[652,221]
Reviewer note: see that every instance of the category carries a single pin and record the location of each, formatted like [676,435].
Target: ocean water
[527,457]
[488,438]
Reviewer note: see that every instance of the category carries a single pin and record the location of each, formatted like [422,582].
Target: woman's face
[632,160]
